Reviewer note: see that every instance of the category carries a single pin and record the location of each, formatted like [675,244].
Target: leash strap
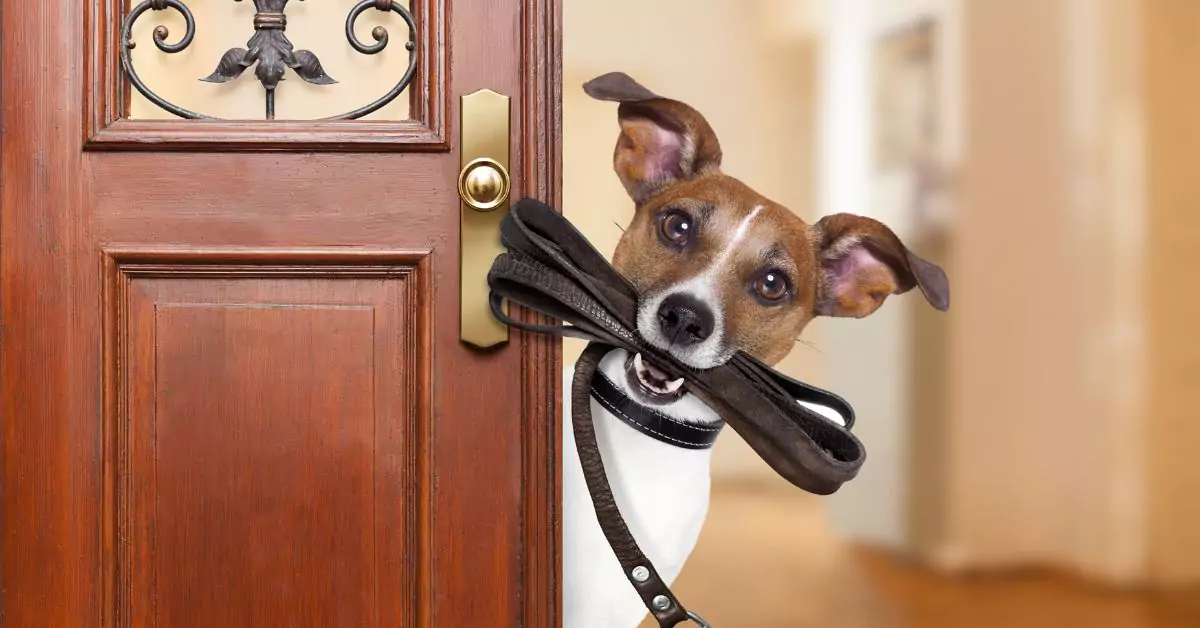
[552,269]
[655,594]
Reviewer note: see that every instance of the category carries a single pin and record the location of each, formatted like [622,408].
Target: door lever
[483,188]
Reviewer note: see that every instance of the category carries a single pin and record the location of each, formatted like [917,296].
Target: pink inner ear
[665,155]
[850,265]
[652,153]
[859,282]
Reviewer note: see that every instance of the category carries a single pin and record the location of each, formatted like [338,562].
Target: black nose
[684,320]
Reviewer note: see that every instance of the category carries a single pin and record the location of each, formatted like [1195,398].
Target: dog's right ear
[662,141]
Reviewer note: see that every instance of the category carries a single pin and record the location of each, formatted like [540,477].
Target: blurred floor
[767,559]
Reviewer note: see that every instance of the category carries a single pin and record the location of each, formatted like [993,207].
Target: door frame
[541,359]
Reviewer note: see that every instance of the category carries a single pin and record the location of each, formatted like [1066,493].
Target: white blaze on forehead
[704,287]
[739,234]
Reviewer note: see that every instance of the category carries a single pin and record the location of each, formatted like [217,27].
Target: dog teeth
[644,374]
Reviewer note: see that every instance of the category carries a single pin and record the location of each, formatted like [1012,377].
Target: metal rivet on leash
[641,574]
[661,603]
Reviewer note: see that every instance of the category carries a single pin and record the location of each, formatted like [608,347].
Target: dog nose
[684,320]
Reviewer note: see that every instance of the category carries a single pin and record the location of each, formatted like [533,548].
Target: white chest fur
[662,491]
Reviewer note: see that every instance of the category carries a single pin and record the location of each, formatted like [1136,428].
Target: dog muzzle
[552,269]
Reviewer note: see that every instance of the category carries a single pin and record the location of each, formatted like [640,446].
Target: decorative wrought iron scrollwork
[269,51]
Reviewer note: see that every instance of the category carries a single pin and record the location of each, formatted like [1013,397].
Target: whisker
[618,225]
[810,345]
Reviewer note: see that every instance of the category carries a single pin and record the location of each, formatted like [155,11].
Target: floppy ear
[662,141]
[865,262]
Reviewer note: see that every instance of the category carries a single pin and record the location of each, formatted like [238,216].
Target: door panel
[270,438]
[232,388]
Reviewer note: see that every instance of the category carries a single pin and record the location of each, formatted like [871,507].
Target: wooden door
[233,389]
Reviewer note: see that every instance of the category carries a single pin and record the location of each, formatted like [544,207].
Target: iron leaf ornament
[271,50]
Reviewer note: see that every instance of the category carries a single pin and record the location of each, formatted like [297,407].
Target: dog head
[720,267]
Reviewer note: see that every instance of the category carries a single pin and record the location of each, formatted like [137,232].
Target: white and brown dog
[721,269]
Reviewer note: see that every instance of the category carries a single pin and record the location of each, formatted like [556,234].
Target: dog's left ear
[662,141]
[865,262]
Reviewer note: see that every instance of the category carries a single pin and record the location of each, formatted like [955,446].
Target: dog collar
[651,422]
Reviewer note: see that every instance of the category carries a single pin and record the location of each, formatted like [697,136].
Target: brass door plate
[483,188]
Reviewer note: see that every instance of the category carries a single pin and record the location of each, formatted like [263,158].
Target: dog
[720,269]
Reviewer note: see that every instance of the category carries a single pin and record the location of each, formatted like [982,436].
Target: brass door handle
[483,188]
[484,184]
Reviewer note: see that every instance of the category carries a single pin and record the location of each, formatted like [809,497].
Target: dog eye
[676,227]
[771,286]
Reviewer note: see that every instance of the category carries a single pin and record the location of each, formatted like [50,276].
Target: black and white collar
[651,422]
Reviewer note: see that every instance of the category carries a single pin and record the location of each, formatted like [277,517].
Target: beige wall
[1073,430]
[1037,472]
[1015,324]
[315,26]
[1173,113]
[745,65]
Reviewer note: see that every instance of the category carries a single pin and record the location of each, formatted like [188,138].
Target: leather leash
[552,269]
[655,594]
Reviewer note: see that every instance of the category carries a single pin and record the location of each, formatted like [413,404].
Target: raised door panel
[268,442]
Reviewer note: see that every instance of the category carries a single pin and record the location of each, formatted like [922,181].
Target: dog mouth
[651,381]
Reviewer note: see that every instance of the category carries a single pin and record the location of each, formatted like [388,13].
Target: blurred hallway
[1042,152]
[767,558]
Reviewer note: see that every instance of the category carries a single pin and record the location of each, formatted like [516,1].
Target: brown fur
[668,157]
